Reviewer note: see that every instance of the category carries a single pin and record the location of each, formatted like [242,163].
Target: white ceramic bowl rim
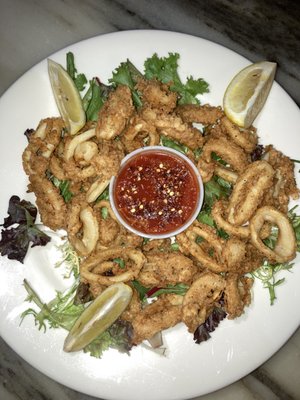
[188,222]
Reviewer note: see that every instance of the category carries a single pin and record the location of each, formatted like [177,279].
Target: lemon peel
[247,92]
[67,97]
[98,316]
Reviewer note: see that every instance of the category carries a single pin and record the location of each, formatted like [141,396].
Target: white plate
[237,347]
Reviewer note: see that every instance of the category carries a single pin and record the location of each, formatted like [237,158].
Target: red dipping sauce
[157,192]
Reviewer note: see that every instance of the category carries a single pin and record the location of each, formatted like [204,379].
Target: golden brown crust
[206,114]
[114,114]
[157,95]
[207,262]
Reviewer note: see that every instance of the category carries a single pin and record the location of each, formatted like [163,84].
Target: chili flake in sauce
[156,192]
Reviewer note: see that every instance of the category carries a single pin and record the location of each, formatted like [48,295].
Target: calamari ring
[188,245]
[96,189]
[90,232]
[138,125]
[228,151]
[200,298]
[151,138]
[218,213]
[285,248]
[85,151]
[248,191]
[100,261]
[72,144]
[207,233]
[76,173]
[106,203]
[110,231]
[226,174]
[206,170]
[247,139]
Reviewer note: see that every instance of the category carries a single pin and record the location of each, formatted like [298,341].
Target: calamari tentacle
[245,138]
[237,294]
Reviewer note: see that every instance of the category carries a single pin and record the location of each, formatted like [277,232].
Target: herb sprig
[268,273]
[149,292]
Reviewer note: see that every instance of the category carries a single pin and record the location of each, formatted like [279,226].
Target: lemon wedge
[98,316]
[246,94]
[67,97]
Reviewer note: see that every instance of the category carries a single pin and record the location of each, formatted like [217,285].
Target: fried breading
[155,317]
[285,183]
[206,114]
[157,95]
[237,294]
[199,300]
[173,126]
[115,113]
[162,269]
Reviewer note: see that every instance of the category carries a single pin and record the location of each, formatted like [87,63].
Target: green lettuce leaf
[165,69]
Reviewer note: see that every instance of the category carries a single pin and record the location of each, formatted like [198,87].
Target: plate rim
[118,33]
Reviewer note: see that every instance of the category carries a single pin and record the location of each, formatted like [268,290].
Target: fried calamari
[202,268]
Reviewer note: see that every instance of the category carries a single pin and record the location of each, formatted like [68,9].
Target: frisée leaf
[62,312]
[268,273]
[165,69]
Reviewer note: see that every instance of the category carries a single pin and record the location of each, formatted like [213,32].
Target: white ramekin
[199,202]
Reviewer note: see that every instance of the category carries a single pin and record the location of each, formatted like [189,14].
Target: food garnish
[63,311]
[295,221]
[206,272]
[98,316]
[15,240]
[268,273]
[79,79]
[246,94]
[165,69]
[202,333]
[63,186]
[67,97]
